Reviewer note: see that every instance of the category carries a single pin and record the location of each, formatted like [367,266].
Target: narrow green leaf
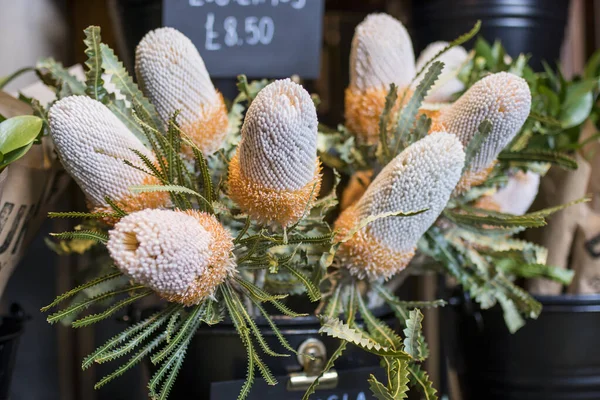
[313,292]
[78,214]
[94,318]
[409,112]
[384,119]
[548,156]
[107,351]
[84,286]
[483,131]
[7,79]
[379,330]
[372,218]
[77,307]
[99,237]
[183,332]
[134,360]
[336,354]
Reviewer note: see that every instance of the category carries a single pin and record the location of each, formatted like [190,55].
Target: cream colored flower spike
[183,256]
[447,83]
[276,172]
[423,176]
[92,144]
[172,75]
[381,54]
[502,98]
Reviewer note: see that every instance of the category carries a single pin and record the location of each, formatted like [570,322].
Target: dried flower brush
[275,174]
[173,76]
[422,177]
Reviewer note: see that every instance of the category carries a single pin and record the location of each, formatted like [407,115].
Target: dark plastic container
[555,357]
[11,329]
[523,26]
[216,354]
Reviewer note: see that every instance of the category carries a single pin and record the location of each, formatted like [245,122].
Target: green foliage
[7,79]
[17,135]
[420,379]
[484,129]
[99,237]
[53,74]
[94,83]
[413,336]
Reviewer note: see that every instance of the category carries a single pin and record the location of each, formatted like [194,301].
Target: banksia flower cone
[172,75]
[275,173]
[502,98]
[182,255]
[447,84]
[92,144]
[382,54]
[423,176]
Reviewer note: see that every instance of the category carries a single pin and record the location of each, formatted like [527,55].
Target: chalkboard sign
[259,38]
[352,385]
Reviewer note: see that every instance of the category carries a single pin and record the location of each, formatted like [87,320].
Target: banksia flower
[447,84]
[423,176]
[514,198]
[92,144]
[381,54]
[502,98]
[275,174]
[172,75]
[181,255]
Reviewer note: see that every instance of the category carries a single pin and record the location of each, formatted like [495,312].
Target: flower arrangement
[206,208]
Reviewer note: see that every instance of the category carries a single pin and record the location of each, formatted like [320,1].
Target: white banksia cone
[516,197]
[448,83]
[275,174]
[173,76]
[182,255]
[381,54]
[502,98]
[423,176]
[92,144]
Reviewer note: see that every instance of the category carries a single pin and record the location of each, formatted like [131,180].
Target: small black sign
[352,385]
[259,38]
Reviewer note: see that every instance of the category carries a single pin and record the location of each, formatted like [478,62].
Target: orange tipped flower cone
[275,174]
[423,176]
[173,76]
[183,256]
[502,98]
[92,144]
[382,54]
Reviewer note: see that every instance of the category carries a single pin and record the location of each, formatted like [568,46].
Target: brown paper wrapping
[559,186]
[28,188]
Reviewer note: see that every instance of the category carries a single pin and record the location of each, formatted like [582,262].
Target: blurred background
[47,365]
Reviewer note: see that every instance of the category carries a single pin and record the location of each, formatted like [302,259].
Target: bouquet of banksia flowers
[217,217]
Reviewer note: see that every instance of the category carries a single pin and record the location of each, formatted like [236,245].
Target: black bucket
[216,362]
[555,357]
[11,329]
[523,26]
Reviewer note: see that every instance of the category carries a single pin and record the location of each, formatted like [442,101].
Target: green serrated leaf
[379,390]
[54,74]
[372,218]
[78,289]
[94,83]
[483,131]
[83,235]
[413,335]
[335,328]
[420,379]
[125,85]
[94,318]
[409,112]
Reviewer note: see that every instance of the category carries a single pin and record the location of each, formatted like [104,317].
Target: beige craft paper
[30,187]
[584,263]
[559,186]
